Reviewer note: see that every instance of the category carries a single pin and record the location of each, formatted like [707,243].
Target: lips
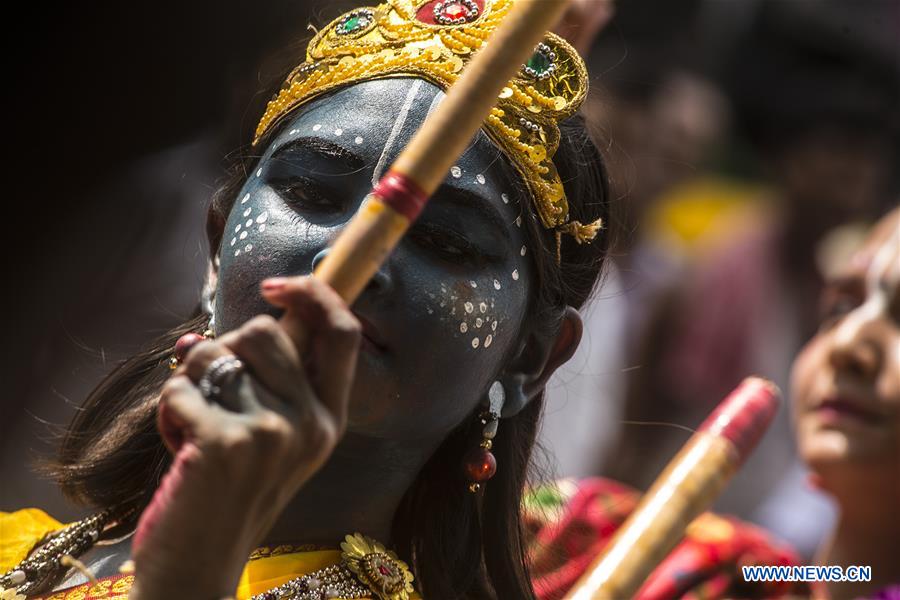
[371,337]
[840,408]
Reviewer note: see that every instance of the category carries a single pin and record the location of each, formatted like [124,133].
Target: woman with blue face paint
[304,422]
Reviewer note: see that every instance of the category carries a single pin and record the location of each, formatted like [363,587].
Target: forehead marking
[876,297]
[395,130]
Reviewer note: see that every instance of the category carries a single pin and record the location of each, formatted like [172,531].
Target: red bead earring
[480,464]
[184,345]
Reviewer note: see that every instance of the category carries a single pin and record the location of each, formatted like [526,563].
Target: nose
[854,347]
[381,282]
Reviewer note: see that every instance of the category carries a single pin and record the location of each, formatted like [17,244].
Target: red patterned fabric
[570,523]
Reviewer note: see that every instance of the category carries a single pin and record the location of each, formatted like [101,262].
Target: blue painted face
[445,312]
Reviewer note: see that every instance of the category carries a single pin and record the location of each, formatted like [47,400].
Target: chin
[828,449]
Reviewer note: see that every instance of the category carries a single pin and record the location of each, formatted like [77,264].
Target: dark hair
[459,545]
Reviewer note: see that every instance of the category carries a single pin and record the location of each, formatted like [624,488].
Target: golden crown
[434,39]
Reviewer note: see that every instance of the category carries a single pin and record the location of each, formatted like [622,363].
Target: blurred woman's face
[445,310]
[846,381]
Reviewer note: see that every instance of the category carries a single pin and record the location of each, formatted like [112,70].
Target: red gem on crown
[450,12]
[454,10]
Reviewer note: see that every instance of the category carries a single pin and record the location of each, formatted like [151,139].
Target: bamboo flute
[402,192]
[689,484]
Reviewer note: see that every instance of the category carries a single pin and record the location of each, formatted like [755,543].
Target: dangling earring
[480,463]
[185,343]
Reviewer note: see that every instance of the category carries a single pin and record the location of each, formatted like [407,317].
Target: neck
[867,534]
[358,490]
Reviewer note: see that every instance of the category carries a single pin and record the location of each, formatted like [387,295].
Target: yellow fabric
[21,530]
[703,209]
[266,573]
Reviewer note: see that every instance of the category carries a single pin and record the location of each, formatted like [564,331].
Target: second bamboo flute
[422,166]
[689,484]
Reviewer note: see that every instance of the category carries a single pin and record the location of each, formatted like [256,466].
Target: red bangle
[402,194]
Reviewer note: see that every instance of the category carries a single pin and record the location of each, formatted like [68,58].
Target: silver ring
[218,374]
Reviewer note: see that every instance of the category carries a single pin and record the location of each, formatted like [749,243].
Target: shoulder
[570,523]
[21,531]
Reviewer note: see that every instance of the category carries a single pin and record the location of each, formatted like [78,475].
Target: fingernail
[274,284]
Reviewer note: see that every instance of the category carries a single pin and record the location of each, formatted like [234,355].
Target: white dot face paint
[469,307]
[463,327]
[237,228]
[475,342]
[258,174]
[243,235]
[496,285]
[263,217]
[237,252]
[338,131]
[473,284]
[505,198]
[248,223]
[358,140]
[233,241]
[248,211]
[317,126]
[518,221]
[479,322]
[456,171]
[494,326]
[262,228]
[522,251]
[248,247]
[488,340]
[247,196]
[515,275]
[480,178]
[293,132]
[482,307]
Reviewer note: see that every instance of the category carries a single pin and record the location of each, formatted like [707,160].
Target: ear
[207,297]
[538,357]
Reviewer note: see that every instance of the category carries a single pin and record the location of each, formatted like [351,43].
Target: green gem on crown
[355,22]
[542,63]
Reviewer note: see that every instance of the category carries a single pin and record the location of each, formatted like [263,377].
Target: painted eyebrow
[468,199]
[322,147]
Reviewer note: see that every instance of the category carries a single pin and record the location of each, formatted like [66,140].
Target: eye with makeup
[447,244]
[309,197]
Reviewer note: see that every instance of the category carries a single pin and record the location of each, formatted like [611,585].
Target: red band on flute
[402,194]
[745,414]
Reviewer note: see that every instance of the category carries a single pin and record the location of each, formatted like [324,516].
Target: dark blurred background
[749,144]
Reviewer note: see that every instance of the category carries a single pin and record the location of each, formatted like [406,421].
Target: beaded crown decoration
[433,39]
